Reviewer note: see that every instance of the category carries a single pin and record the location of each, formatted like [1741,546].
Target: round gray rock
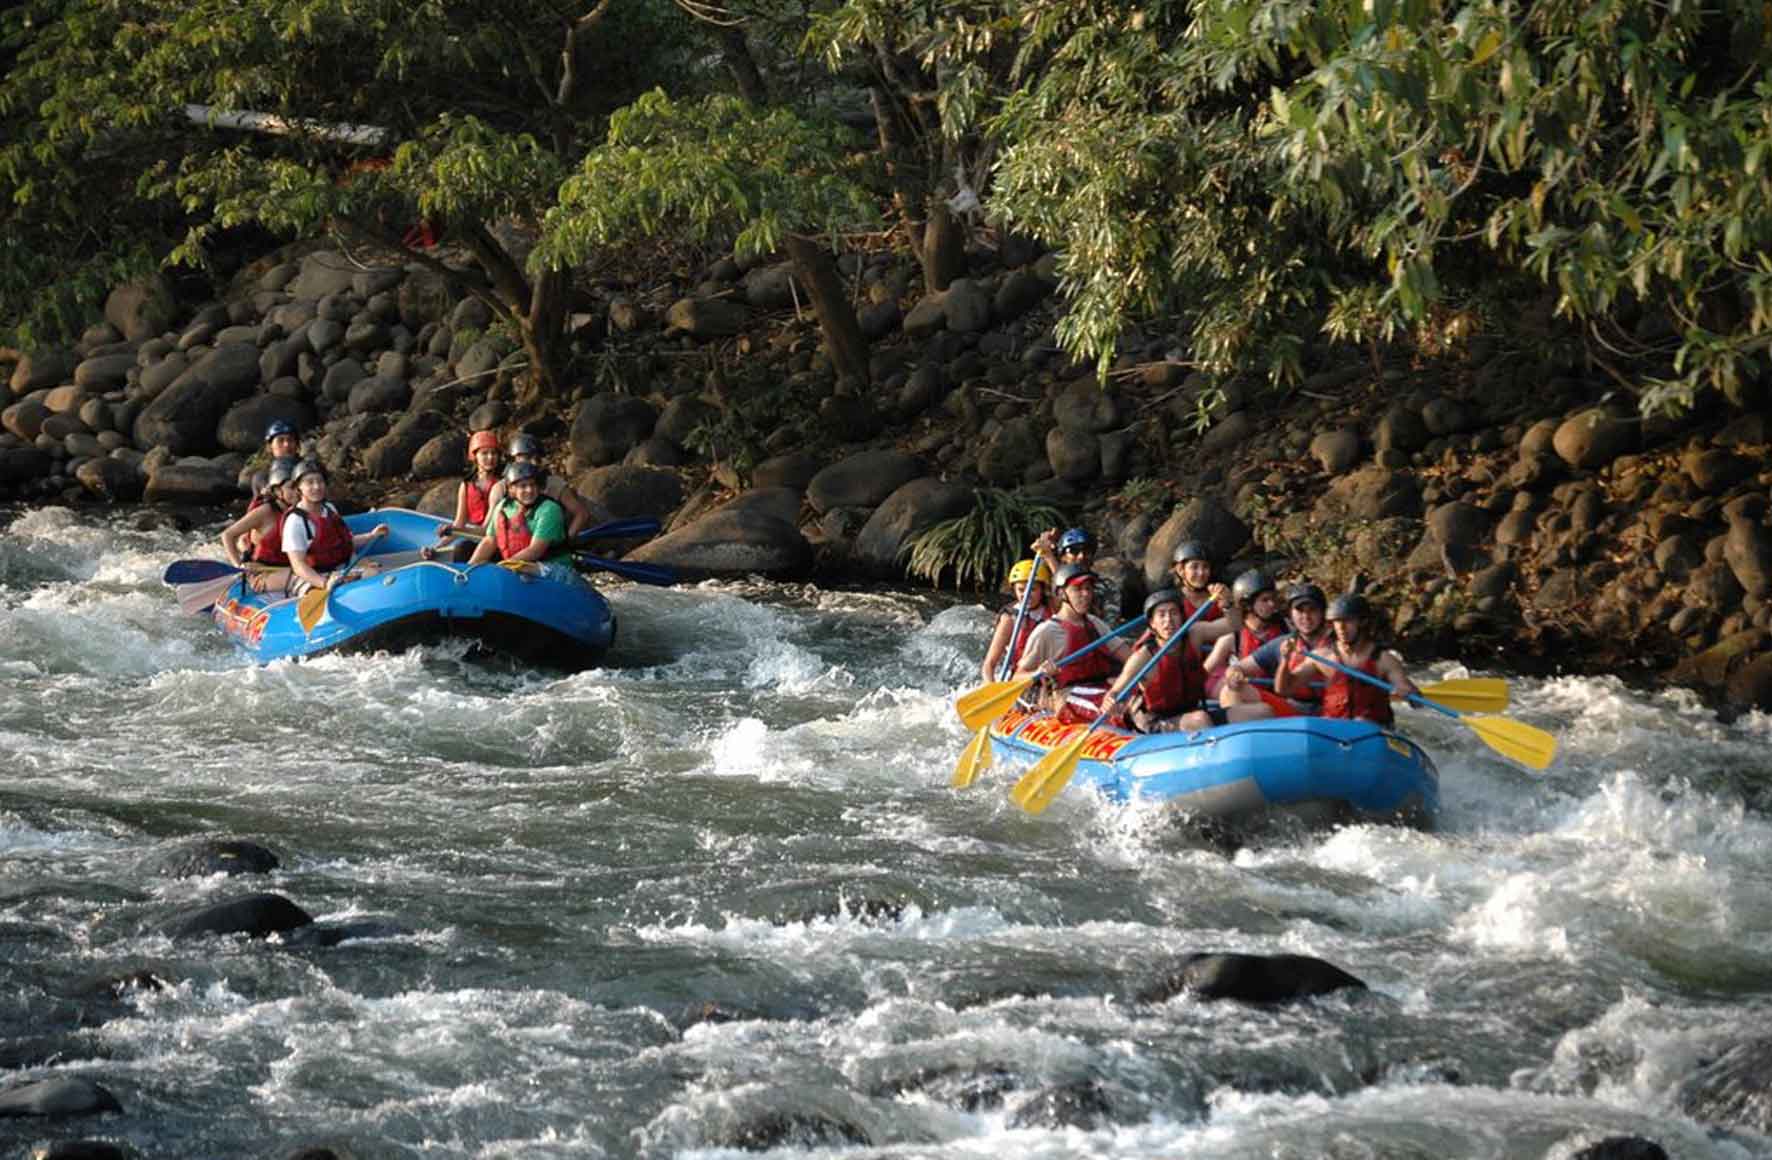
[863,480]
[731,543]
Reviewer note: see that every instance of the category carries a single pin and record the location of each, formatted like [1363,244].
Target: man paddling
[1307,605]
[1077,688]
[1356,647]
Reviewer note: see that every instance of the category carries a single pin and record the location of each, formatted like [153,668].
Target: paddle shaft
[1412,698]
[1021,612]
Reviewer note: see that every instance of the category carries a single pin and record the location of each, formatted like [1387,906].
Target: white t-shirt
[296,537]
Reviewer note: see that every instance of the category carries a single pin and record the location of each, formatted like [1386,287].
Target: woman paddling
[1032,612]
[255,540]
[316,538]
[1172,696]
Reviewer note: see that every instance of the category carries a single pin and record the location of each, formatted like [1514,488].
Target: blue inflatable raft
[1318,770]
[535,619]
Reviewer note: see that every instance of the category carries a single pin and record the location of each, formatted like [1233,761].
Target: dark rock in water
[78,1150]
[331,934]
[1734,1089]
[730,543]
[968,1089]
[1251,978]
[1082,1104]
[193,485]
[256,915]
[1621,1148]
[116,986]
[907,512]
[217,856]
[110,479]
[320,1152]
[18,1054]
[790,1129]
[62,1096]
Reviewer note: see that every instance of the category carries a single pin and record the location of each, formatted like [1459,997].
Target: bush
[978,548]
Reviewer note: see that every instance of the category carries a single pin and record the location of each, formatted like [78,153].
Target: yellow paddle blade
[1526,744]
[311,607]
[1469,694]
[986,703]
[1048,777]
[974,759]
[516,565]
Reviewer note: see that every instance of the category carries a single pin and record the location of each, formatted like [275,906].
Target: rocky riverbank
[1494,502]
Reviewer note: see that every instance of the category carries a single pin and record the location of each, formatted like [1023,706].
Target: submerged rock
[256,915]
[1081,1104]
[1251,978]
[1621,1148]
[61,1096]
[1734,1089]
[208,856]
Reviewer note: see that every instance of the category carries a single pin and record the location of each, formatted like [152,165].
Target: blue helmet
[279,427]
[1076,540]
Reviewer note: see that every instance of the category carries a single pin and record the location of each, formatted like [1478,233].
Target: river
[719,893]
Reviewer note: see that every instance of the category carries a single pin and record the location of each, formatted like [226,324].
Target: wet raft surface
[718,896]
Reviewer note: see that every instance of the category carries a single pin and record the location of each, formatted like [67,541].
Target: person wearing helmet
[473,498]
[1008,640]
[282,441]
[527,526]
[1256,621]
[1306,603]
[1076,688]
[526,448]
[1172,696]
[1192,569]
[254,541]
[316,538]
[1356,647]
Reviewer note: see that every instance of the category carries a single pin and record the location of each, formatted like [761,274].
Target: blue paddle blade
[644,573]
[194,571]
[619,529]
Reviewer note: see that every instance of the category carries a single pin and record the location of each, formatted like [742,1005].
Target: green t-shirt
[546,522]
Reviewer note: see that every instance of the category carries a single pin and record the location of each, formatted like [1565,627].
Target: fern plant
[976,549]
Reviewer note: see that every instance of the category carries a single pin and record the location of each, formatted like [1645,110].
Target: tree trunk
[836,317]
[904,194]
[944,247]
[743,65]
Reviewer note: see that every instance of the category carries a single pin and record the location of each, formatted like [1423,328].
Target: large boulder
[1371,493]
[681,416]
[1203,519]
[608,426]
[25,418]
[1086,408]
[242,429]
[628,492]
[863,480]
[731,543]
[1748,552]
[1593,438]
[443,455]
[187,484]
[105,372]
[379,393]
[705,317]
[23,464]
[392,454]
[1251,978]
[1010,451]
[907,512]
[110,479]
[38,369]
[795,469]
[256,915]
[772,287]
[341,377]
[1074,455]
[323,272]
[141,309]
[966,306]
[184,417]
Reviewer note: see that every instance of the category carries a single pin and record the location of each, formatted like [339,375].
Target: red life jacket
[1097,666]
[1188,607]
[1018,641]
[1349,697]
[1176,683]
[267,547]
[1305,688]
[1248,640]
[329,545]
[478,508]
[513,535]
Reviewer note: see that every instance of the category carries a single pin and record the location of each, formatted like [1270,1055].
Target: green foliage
[739,434]
[716,168]
[978,548]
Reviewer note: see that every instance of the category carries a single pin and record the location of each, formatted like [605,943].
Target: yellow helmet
[1025,568]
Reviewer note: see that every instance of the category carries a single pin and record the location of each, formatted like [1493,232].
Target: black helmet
[1190,550]
[521,471]
[305,468]
[282,471]
[1076,539]
[279,427]
[1072,574]
[1352,606]
[1305,594]
[1161,596]
[1250,585]
[523,443]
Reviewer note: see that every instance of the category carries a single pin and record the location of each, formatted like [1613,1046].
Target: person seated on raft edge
[1172,695]
[526,448]
[254,542]
[1257,621]
[1074,691]
[473,498]
[316,538]
[1306,603]
[528,526]
[1356,646]
[1077,547]
[1024,573]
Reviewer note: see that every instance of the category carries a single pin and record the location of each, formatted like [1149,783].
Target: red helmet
[481,441]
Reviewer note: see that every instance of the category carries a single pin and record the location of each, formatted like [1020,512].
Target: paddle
[1526,744]
[979,707]
[976,757]
[197,571]
[1048,776]
[1466,694]
[632,569]
[312,606]
[201,596]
